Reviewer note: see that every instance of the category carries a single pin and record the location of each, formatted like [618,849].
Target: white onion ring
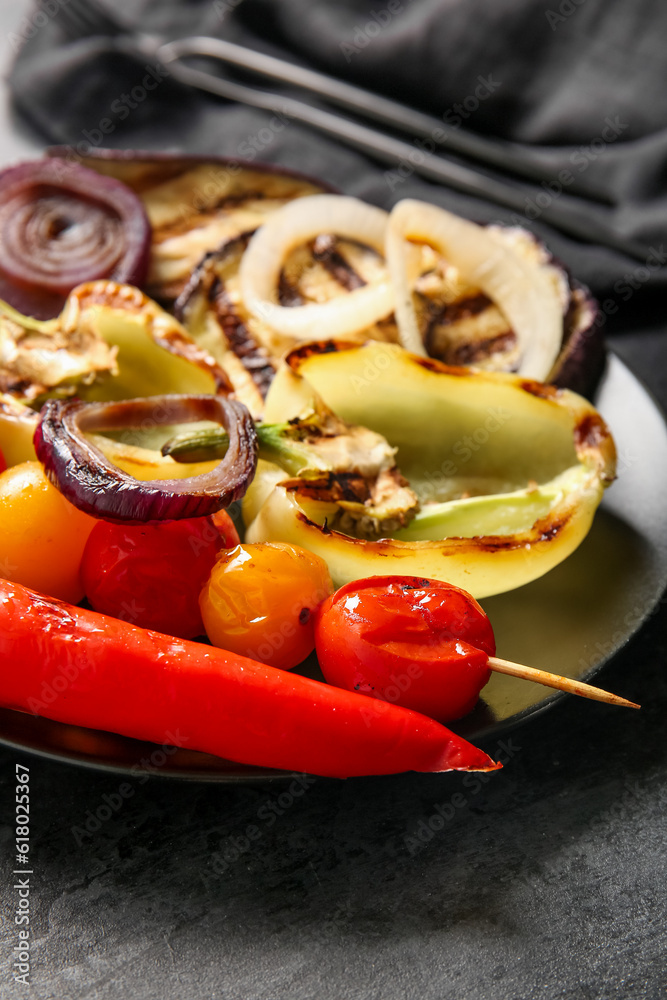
[520,288]
[290,227]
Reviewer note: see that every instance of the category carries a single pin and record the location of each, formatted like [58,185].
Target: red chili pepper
[80,667]
[423,644]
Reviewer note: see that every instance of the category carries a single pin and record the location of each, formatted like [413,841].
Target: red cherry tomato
[422,644]
[3,464]
[151,574]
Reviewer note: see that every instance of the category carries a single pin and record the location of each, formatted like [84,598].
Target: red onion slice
[62,224]
[93,484]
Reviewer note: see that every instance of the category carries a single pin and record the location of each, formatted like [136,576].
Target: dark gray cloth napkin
[573,89]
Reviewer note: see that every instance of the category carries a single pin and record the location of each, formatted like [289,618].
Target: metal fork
[84,18]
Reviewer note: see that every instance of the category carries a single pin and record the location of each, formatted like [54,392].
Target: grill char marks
[468,351]
[253,357]
[325,250]
[475,351]
[452,312]
[208,280]
[288,294]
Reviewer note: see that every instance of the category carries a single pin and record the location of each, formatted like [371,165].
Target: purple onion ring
[93,484]
[62,224]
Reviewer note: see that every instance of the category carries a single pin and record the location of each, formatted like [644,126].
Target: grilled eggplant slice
[211,310]
[195,204]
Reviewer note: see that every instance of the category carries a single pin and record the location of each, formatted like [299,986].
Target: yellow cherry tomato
[42,536]
[260,601]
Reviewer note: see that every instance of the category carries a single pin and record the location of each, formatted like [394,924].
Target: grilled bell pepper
[90,670]
[350,468]
[110,342]
[508,472]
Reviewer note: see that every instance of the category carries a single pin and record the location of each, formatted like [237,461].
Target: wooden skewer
[556,681]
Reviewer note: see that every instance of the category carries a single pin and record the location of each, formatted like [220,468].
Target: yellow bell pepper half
[110,342]
[508,472]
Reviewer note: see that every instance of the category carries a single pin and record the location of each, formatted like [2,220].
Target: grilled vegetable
[199,206]
[460,325]
[61,225]
[350,469]
[151,574]
[52,356]
[155,354]
[17,427]
[508,472]
[423,644]
[531,295]
[418,643]
[288,229]
[212,312]
[18,424]
[260,601]
[195,204]
[95,485]
[42,536]
[110,342]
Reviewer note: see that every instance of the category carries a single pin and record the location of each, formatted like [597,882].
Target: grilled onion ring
[289,227]
[521,289]
[62,224]
[93,484]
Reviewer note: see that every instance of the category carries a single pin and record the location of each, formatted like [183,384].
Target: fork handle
[568,219]
[357,100]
